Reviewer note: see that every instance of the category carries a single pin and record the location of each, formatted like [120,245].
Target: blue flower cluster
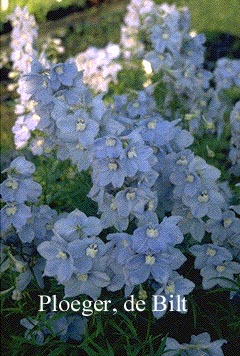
[160,34]
[24,223]
[65,327]
[141,169]
[23,39]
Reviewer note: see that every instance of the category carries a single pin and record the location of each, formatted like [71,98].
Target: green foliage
[40,8]
[64,188]
[214,15]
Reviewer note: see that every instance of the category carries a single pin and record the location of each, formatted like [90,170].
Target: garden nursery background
[120,160]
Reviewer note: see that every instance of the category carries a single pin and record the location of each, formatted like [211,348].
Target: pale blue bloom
[199,345]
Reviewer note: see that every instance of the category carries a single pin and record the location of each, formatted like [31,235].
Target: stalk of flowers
[99,66]
[24,224]
[130,44]
[23,44]
[23,39]
[234,154]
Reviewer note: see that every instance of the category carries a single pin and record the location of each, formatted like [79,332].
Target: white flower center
[12,184]
[203,197]
[125,243]
[113,205]
[40,142]
[132,153]
[92,250]
[49,226]
[80,147]
[81,125]
[211,252]
[151,232]
[130,195]
[170,288]
[227,222]
[11,210]
[190,178]
[113,166]
[152,124]
[111,142]
[136,105]
[220,268]
[182,161]
[150,260]
[150,205]
[165,36]
[62,255]
[82,277]
[59,70]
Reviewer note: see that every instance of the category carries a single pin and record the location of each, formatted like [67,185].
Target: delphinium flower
[196,184]
[157,237]
[155,265]
[32,270]
[39,226]
[60,250]
[141,104]
[234,154]
[221,275]
[64,327]
[179,56]
[59,261]
[200,345]
[90,282]
[209,254]
[215,264]
[99,66]
[207,201]
[171,290]
[135,201]
[77,225]
[156,131]
[189,224]
[223,229]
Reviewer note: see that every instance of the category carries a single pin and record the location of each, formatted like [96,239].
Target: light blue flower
[77,225]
